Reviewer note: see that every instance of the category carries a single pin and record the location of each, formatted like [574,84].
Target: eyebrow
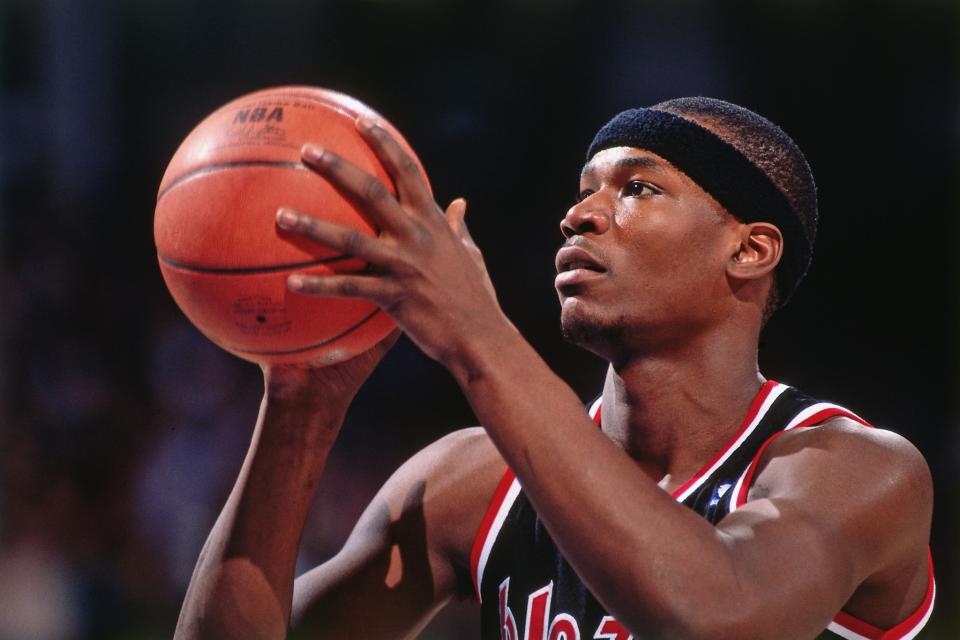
[644,162]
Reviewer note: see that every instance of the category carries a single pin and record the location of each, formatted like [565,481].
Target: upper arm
[406,557]
[833,508]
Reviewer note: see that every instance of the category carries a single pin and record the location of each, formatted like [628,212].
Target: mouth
[576,267]
[573,258]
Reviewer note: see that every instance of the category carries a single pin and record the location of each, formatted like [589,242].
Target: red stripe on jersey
[912,623]
[741,497]
[826,414]
[496,502]
[858,626]
[486,523]
[751,414]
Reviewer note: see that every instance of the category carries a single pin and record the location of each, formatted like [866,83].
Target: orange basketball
[223,257]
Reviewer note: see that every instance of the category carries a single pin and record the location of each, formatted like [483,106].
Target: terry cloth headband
[740,186]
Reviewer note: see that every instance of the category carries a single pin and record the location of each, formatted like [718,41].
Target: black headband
[740,186]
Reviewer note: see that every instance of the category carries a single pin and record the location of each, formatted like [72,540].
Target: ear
[757,253]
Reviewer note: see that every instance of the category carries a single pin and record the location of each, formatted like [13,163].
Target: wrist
[304,385]
[293,390]
[299,426]
[477,357]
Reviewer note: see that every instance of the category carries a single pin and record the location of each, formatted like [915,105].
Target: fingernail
[295,283]
[286,218]
[312,153]
[365,122]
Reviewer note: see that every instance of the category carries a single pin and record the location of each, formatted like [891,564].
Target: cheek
[672,248]
[680,260]
[682,241]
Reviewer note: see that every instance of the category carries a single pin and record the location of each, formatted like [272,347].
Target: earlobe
[758,252]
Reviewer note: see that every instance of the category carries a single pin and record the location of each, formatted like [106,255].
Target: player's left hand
[426,271]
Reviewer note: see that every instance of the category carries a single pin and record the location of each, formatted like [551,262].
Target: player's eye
[583,195]
[635,188]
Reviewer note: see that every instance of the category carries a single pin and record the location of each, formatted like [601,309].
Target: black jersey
[528,591]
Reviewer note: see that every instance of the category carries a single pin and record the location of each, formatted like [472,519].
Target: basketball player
[694,499]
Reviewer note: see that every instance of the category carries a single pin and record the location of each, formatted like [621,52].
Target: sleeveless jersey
[528,591]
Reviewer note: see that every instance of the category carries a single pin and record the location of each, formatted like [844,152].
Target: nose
[584,217]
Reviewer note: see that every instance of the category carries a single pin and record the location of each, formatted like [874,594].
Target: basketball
[221,254]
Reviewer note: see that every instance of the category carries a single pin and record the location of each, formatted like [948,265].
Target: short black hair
[765,145]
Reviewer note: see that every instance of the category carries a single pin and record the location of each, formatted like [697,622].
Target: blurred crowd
[123,433]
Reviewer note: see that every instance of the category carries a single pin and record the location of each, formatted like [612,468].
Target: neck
[673,411]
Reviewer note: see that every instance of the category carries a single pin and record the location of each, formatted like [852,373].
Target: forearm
[243,583]
[603,512]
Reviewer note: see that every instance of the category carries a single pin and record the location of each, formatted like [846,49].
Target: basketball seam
[222,166]
[289,165]
[252,270]
[343,333]
[333,104]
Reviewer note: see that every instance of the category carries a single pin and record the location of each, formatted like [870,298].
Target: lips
[571,258]
[577,267]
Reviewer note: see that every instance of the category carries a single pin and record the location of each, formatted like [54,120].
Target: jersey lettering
[508,624]
[538,613]
[564,627]
[610,629]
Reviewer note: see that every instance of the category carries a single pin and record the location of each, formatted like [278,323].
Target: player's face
[644,260]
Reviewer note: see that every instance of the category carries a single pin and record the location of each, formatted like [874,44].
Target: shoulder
[852,452]
[465,450]
[458,460]
[868,483]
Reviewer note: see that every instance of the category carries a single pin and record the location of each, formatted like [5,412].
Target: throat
[670,430]
[671,456]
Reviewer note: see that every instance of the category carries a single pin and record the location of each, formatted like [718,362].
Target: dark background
[123,428]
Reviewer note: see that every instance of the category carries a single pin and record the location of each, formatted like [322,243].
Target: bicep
[794,570]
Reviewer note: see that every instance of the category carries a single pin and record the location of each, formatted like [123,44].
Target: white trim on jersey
[926,616]
[508,499]
[495,527]
[849,634]
[595,407]
[767,403]
[843,632]
[817,408]
[736,491]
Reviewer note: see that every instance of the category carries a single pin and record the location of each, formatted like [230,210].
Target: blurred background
[123,428]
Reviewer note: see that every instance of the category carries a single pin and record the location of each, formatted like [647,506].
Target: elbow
[235,602]
[229,623]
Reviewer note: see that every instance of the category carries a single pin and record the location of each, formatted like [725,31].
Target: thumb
[455,213]
[384,345]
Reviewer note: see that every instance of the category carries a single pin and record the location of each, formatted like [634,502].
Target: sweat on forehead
[721,170]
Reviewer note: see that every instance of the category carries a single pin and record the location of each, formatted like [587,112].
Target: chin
[589,332]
